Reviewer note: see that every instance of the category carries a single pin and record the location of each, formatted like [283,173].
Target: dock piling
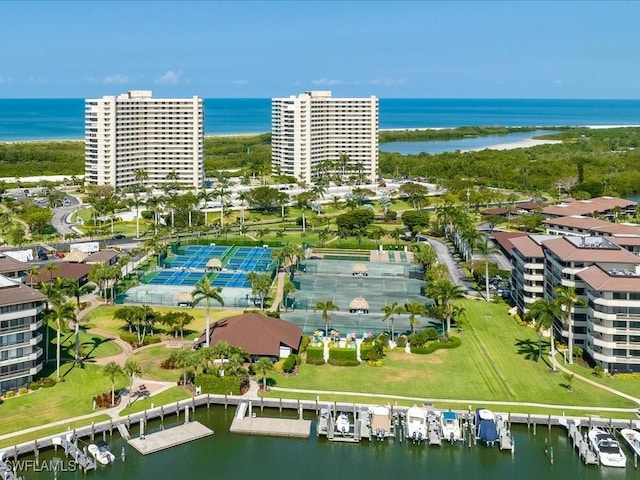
[280,405]
[551,455]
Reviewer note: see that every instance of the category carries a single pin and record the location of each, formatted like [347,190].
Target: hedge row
[454,342]
[343,357]
[315,355]
[221,385]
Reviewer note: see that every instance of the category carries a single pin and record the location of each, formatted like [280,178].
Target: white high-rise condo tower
[315,135]
[134,132]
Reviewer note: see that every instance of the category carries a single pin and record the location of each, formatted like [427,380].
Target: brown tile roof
[10,264]
[625,241]
[101,257]
[585,207]
[258,334]
[503,239]
[568,251]
[527,247]
[14,293]
[619,229]
[603,281]
[72,271]
[577,221]
[494,211]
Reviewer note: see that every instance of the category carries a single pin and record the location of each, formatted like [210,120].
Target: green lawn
[172,395]
[149,360]
[46,431]
[626,385]
[497,361]
[92,346]
[67,399]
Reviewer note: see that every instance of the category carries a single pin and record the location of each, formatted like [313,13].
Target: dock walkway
[6,473]
[163,439]
[71,450]
[244,421]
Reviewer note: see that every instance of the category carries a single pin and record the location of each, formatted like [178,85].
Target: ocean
[54,119]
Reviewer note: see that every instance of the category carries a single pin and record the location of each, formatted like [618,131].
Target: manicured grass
[497,361]
[67,399]
[47,431]
[627,385]
[172,395]
[93,346]
[102,318]
[149,360]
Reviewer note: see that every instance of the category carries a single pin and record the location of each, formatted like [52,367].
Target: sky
[264,49]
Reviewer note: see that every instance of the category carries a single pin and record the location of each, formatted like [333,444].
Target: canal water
[231,456]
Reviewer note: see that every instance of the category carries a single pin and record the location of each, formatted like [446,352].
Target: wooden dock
[69,444]
[157,441]
[246,422]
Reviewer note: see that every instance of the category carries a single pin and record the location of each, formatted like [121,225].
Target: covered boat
[486,430]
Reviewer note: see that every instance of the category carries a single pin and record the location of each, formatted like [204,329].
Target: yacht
[607,448]
[101,453]
[486,430]
[417,424]
[343,424]
[632,437]
[451,426]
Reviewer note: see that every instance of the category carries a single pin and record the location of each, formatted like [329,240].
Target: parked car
[119,236]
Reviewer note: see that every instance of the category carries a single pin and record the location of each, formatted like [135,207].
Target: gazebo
[76,256]
[358,305]
[214,264]
[360,269]
[184,299]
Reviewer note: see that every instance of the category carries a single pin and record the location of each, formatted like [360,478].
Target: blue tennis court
[175,277]
[204,250]
[226,279]
[251,259]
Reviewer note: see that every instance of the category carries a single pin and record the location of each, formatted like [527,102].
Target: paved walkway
[455,271]
[279,292]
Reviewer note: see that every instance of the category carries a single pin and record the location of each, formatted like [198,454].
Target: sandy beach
[510,146]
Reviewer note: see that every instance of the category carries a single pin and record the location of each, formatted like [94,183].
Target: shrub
[315,355]
[597,371]
[304,343]
[290,363]
[9,394]
[221,385]
[452,342]
[420,338]
[147,214]
[104,400]
[343,357]
[374,363]
[35,385]
[23,390]
[278,367]
[578,352]
[170,362]
[372,355]
[47,382]
[401,341]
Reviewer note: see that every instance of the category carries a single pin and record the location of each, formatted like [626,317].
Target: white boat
[343,425]
[101,453]
[607,448]
[451,426]
[632,437]
[416,424]
[380,422]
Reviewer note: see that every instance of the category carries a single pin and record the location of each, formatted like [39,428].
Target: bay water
[232,456]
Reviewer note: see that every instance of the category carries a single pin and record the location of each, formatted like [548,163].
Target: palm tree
[112,370]
[543,312]
[326,307]
[567,298]
[486,249]
[445,292]
[389,312]
[74,290]
[263,366]
[61,314]
[414,309]
[50,268]
[131,369]
[205,292]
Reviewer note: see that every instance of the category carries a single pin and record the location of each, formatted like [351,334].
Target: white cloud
[240,82]
[5,80]
[117,79]
[170,78]
[327,82]
[388,82]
